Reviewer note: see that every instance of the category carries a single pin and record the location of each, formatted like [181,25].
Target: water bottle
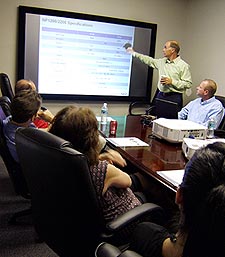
[211,128]
[104,113]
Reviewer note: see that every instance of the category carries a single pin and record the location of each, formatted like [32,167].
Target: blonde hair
[174,44]
[211,86]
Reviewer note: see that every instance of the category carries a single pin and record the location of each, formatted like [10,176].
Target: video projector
[174,130]
[189,145]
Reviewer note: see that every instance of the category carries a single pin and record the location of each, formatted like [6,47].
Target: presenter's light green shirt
[178,70]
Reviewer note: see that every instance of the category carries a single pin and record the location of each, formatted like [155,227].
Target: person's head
[79,126]
[201,196]
[206,89]
[24,84]
[171,49]
[25,105]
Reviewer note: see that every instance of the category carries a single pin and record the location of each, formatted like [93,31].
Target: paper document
[126,141]
[173,176]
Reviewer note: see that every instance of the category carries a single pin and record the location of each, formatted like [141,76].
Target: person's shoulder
[180,60]
[6,121]
[218,102]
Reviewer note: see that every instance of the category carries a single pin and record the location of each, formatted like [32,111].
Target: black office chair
[220,131]
[139,108]
[222,100]
[66,211]
[5,86]
[5,107]
[13,168]
[166,109]
[108,250]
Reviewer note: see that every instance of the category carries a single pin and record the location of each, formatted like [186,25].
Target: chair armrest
[107,250]
[148,211]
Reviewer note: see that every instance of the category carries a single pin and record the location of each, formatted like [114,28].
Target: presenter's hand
[166,81]
[130,50]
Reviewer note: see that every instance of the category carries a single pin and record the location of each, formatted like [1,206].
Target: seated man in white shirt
[205,107]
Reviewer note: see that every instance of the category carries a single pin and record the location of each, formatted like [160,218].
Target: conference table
[159,155]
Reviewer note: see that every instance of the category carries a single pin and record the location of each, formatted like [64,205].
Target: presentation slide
[84,57]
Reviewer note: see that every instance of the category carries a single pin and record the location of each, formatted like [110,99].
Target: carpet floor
[17,240]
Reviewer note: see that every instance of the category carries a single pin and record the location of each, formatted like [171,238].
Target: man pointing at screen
[174,73]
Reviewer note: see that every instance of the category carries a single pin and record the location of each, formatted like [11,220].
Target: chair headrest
[43,138]
[5,86]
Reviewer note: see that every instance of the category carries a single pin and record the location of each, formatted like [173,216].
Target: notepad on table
[126,141]
[173,176]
